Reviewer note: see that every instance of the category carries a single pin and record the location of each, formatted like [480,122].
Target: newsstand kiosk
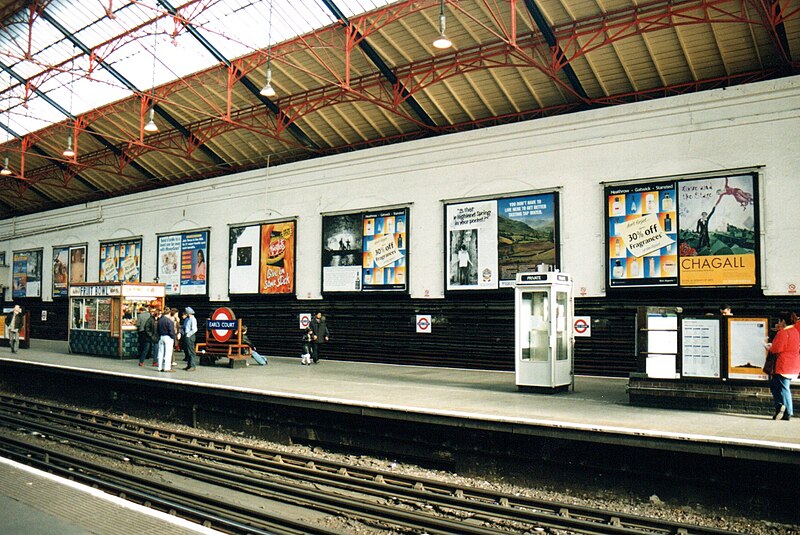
[544,338]
[103,316]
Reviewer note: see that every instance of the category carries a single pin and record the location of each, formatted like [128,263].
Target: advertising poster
[642,235]
[243,260]
[120,261]
[193,253]
[77,264]
[26,274]
[700,347]
[526,228]
[168,269]
[747,351]
[717,231]
[471,233]
[342,252]
[384,250]
[60,271]
[277,258]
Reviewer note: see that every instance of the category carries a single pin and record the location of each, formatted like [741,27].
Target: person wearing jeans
[166,342]
[786,346]
[189,332]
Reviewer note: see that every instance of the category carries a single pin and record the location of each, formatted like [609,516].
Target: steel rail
[383,483]
[192,506]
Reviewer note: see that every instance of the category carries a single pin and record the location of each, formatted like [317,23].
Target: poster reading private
[26,274]
[526,241]
[471,234]
[342,252]
[717,231]
[384,250]
[277,258]
[642,235]
[120,261]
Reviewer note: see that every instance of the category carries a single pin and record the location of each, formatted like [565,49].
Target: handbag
[769,364]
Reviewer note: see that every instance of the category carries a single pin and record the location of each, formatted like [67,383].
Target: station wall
[746,127]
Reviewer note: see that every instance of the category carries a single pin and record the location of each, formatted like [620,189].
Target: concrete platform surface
[596,404]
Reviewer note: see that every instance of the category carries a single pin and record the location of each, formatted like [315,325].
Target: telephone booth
[544,316]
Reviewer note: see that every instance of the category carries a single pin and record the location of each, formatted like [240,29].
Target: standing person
[189,332]
[176,322]
[145,338]
[464,263]
[166,342]
[786,347]
[319,335]
[15,321]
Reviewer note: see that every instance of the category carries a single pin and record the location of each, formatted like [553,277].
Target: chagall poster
[642,235]
[277,258]
[182,262]
[262,258]
[120,261]
[471,235]
[26,274]
[717,231]
[526,228]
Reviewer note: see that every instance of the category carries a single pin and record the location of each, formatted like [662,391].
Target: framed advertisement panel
[121,261]
[261,258]
[747,350]
[365,251]
[69,266]
[700,343]
[26,274]
[489,241]
[687,233]
[183,262]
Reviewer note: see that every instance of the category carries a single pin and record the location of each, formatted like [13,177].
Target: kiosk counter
[103,316]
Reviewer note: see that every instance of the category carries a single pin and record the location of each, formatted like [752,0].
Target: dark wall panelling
[474,331]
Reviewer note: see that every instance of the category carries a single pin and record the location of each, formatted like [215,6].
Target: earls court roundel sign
[222,324]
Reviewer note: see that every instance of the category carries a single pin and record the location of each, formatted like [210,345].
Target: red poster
[277,258]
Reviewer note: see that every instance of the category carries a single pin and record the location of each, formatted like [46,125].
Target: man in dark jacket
[319,335]
[144,328]
[15,321]
[166,342]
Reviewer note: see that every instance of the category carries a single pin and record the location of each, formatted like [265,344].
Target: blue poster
[194,249]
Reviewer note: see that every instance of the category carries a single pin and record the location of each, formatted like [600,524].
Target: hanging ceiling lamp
[6,170]
[268,90]
[69,151]
[442,41]
[151,125]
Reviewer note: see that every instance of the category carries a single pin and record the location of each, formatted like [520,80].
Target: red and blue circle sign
[222,324]
[423,323]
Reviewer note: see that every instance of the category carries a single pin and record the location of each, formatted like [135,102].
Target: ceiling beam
[214,157]
[295,130]
[550,38]
[376,60]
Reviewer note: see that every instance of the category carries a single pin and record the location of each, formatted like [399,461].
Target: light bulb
[442,41]
[151,125]
[5,171]
[69,152]
[268,90]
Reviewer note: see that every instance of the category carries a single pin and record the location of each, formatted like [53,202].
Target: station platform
[597,409]
[37,503]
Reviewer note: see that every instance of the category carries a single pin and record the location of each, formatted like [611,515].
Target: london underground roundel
[222,324]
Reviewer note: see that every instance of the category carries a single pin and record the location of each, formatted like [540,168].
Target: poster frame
[260,224]
[502,284]
[40,272]
[69,248]
[403,289]
[753,373]
[182,234]
[122,241]
[676,181]
[715,345]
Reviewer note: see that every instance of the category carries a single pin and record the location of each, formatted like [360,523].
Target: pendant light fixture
[151,125]
[268,90]
[6,170]
[69,151]
[442,41]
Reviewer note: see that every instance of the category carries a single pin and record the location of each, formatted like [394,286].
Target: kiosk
[102,316]
[544,339]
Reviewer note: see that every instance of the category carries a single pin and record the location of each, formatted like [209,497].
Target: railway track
[378,498]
